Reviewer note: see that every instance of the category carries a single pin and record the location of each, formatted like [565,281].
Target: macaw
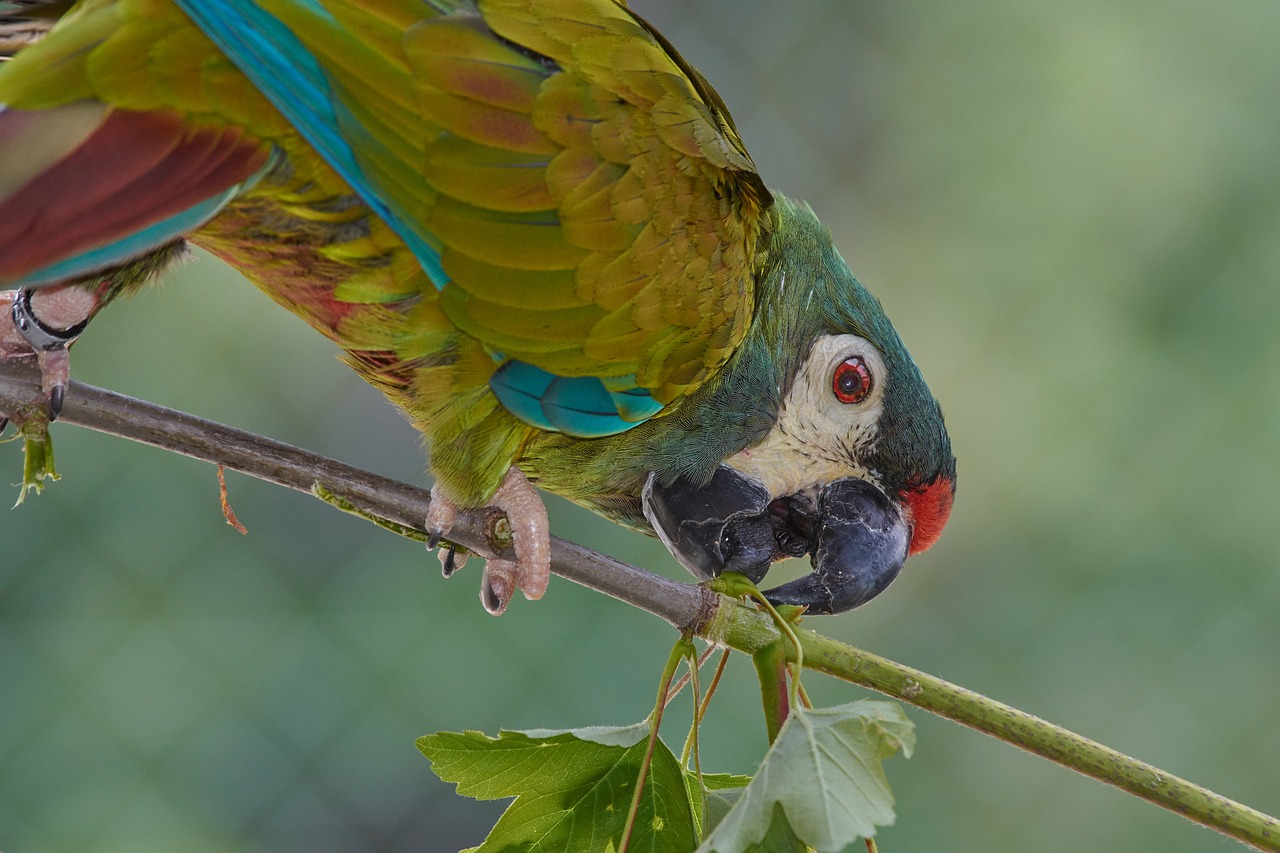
[531,223]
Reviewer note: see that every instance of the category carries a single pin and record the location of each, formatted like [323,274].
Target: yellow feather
[523,240]
[488,177]
[517,289]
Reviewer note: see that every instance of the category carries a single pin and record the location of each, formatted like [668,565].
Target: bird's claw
[497,586]
[57,394]
[55,377]
[451,559]
[530,536]
[441,516]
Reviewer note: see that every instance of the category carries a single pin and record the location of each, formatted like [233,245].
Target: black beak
[723,526]
[861,544]
[856,534]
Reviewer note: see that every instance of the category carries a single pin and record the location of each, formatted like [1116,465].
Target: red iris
[852,380]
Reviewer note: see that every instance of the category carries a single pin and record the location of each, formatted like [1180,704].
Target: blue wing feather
[282,68]
[520,387]
[581,406]
[635,405]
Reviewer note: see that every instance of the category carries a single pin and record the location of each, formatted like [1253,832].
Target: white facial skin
[817,437]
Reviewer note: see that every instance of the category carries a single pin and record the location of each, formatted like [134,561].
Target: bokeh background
[1072,213]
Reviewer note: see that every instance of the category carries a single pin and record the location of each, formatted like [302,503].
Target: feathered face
[856,470]
[812,486]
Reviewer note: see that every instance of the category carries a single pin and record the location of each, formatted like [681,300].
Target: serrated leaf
[723,781]
[603,735]
[718,802]
[780,838]
[571,793]
[824,771]
[713,800]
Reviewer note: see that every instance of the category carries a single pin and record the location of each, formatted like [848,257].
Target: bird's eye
[852,380]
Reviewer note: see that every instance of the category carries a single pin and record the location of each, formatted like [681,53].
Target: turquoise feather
[288,74]
[581,406]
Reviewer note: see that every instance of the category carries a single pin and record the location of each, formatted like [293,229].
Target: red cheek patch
[930,508]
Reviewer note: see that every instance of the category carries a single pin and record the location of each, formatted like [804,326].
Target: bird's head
[855,468]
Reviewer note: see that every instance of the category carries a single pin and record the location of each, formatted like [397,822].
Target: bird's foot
[42,324]
[530,536]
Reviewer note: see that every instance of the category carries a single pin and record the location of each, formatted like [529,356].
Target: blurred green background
[1072,214]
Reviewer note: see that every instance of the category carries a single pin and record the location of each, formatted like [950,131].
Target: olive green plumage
[804,290]
[448,188]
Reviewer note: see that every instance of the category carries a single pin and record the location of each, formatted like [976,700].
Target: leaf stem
[715,682]
[783,626]
[684,679]
[682,649]
[775,698]
[691,742]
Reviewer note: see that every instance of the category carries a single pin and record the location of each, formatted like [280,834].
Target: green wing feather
[593,206]
[655,214]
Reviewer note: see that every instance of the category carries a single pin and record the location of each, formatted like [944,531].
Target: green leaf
[824,771]
[780,838]
[723,781]
[718,794]
[571,793]
[603,735]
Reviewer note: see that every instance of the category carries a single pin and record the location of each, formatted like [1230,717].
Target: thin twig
[683,680]
[689,607]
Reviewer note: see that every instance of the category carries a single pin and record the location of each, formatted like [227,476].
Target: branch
[363,492]
[689,607]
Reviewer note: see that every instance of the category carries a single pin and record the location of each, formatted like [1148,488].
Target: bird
[532,224]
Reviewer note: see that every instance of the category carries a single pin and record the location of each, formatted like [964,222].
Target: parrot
[532,224]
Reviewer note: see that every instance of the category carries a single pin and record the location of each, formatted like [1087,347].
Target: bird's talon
[530,533]
[55,376]
[441,515]
[451,559]
[45,324]
[56,397]
[530,537]
[495,588]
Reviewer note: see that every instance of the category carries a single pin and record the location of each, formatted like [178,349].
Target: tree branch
[688,607]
